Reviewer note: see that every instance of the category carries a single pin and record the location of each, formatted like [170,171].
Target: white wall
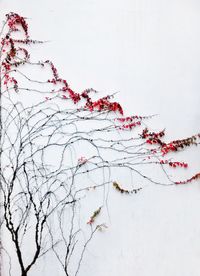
[149,52]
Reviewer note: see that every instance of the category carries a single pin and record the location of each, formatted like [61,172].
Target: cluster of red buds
[75,97]
[129,126]
[6,66]
[10,49]
[17,23]
[131,122]
[130,118]
[103,104]
[174,164]
[152,141]
[53,68]
[178,144]
[100,105]
[152,135]
[8,79]
[14,20]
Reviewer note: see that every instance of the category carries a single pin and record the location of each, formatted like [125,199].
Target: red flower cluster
[8,79]
[10,50]
[129,118]
[53,69]
[74,96]
[134,117]
[16,23]
[52,81]
[130,122]
[130,126]
[174,164]
[152,135]
[168,148]
[14,20]
[103,104]
[100,105]
[6,66]
[178,144]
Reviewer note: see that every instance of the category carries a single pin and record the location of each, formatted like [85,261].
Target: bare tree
[59,145]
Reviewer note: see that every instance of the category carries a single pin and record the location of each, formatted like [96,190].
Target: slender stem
[0,186]
[0,163]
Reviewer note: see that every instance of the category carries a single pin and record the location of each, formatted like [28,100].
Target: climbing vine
[60,147]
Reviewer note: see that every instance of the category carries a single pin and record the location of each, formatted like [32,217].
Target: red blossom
[174,164]
[178,144]
[14,20]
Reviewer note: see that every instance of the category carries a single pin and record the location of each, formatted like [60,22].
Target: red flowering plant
[44,173]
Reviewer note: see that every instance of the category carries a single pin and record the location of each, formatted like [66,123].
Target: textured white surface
[149,52]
